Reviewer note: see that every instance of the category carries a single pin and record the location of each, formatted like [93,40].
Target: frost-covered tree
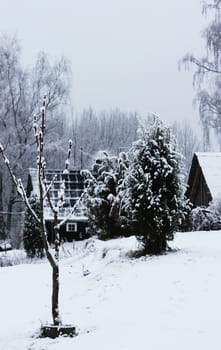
[155,200]
[32,240]
[113,131]
[103,196]
[207,76]
[52,254]
[20,91]
[187,143]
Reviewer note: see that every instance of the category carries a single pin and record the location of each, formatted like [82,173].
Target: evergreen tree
[155,200]
[32,240]
[103,199]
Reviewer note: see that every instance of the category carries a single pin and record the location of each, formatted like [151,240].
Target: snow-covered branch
[67,162]
[72,210]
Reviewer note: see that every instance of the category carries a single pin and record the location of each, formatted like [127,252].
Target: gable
[210,163]
[204,178]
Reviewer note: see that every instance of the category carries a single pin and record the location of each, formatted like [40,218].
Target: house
[76,226]
[204,183]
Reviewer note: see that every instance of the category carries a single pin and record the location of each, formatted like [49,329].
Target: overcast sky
[124,53]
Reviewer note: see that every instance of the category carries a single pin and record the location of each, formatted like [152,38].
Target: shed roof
[210,163]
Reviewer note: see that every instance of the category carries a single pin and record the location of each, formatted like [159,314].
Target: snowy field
[166,302]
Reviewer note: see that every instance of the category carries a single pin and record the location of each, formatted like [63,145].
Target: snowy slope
[166,302]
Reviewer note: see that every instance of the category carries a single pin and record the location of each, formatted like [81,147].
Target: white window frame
[70,225]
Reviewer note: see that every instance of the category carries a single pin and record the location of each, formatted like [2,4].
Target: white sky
[124,53]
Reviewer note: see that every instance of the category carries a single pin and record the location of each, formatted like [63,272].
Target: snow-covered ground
[166,302]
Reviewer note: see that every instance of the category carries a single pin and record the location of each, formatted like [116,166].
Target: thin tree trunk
[55,289]
[54,261]
[55,294]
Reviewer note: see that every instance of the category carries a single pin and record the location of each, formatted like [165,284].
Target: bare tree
[187,142]
[118,130]
[112,131]
[207,77]
[20,90]
[44,195]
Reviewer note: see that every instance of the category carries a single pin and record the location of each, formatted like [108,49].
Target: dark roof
[204,178]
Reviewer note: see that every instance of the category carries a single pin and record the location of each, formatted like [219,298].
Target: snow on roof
[210,163]
[74,186]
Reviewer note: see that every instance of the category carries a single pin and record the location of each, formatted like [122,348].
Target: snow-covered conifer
[103,197]
[32,240]
[154,200]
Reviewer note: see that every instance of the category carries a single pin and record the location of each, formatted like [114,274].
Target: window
[71,227]
[57,185]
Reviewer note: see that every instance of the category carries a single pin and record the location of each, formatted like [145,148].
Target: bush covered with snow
[33,243]
[104,194]
[140,193]
[207,218]
[155,200]
[13,257]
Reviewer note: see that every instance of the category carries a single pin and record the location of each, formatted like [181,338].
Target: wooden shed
[204,183]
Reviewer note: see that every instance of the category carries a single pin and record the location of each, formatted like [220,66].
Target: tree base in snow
[51,331]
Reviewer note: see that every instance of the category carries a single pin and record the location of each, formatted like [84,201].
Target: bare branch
[67,162]
[72,210]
